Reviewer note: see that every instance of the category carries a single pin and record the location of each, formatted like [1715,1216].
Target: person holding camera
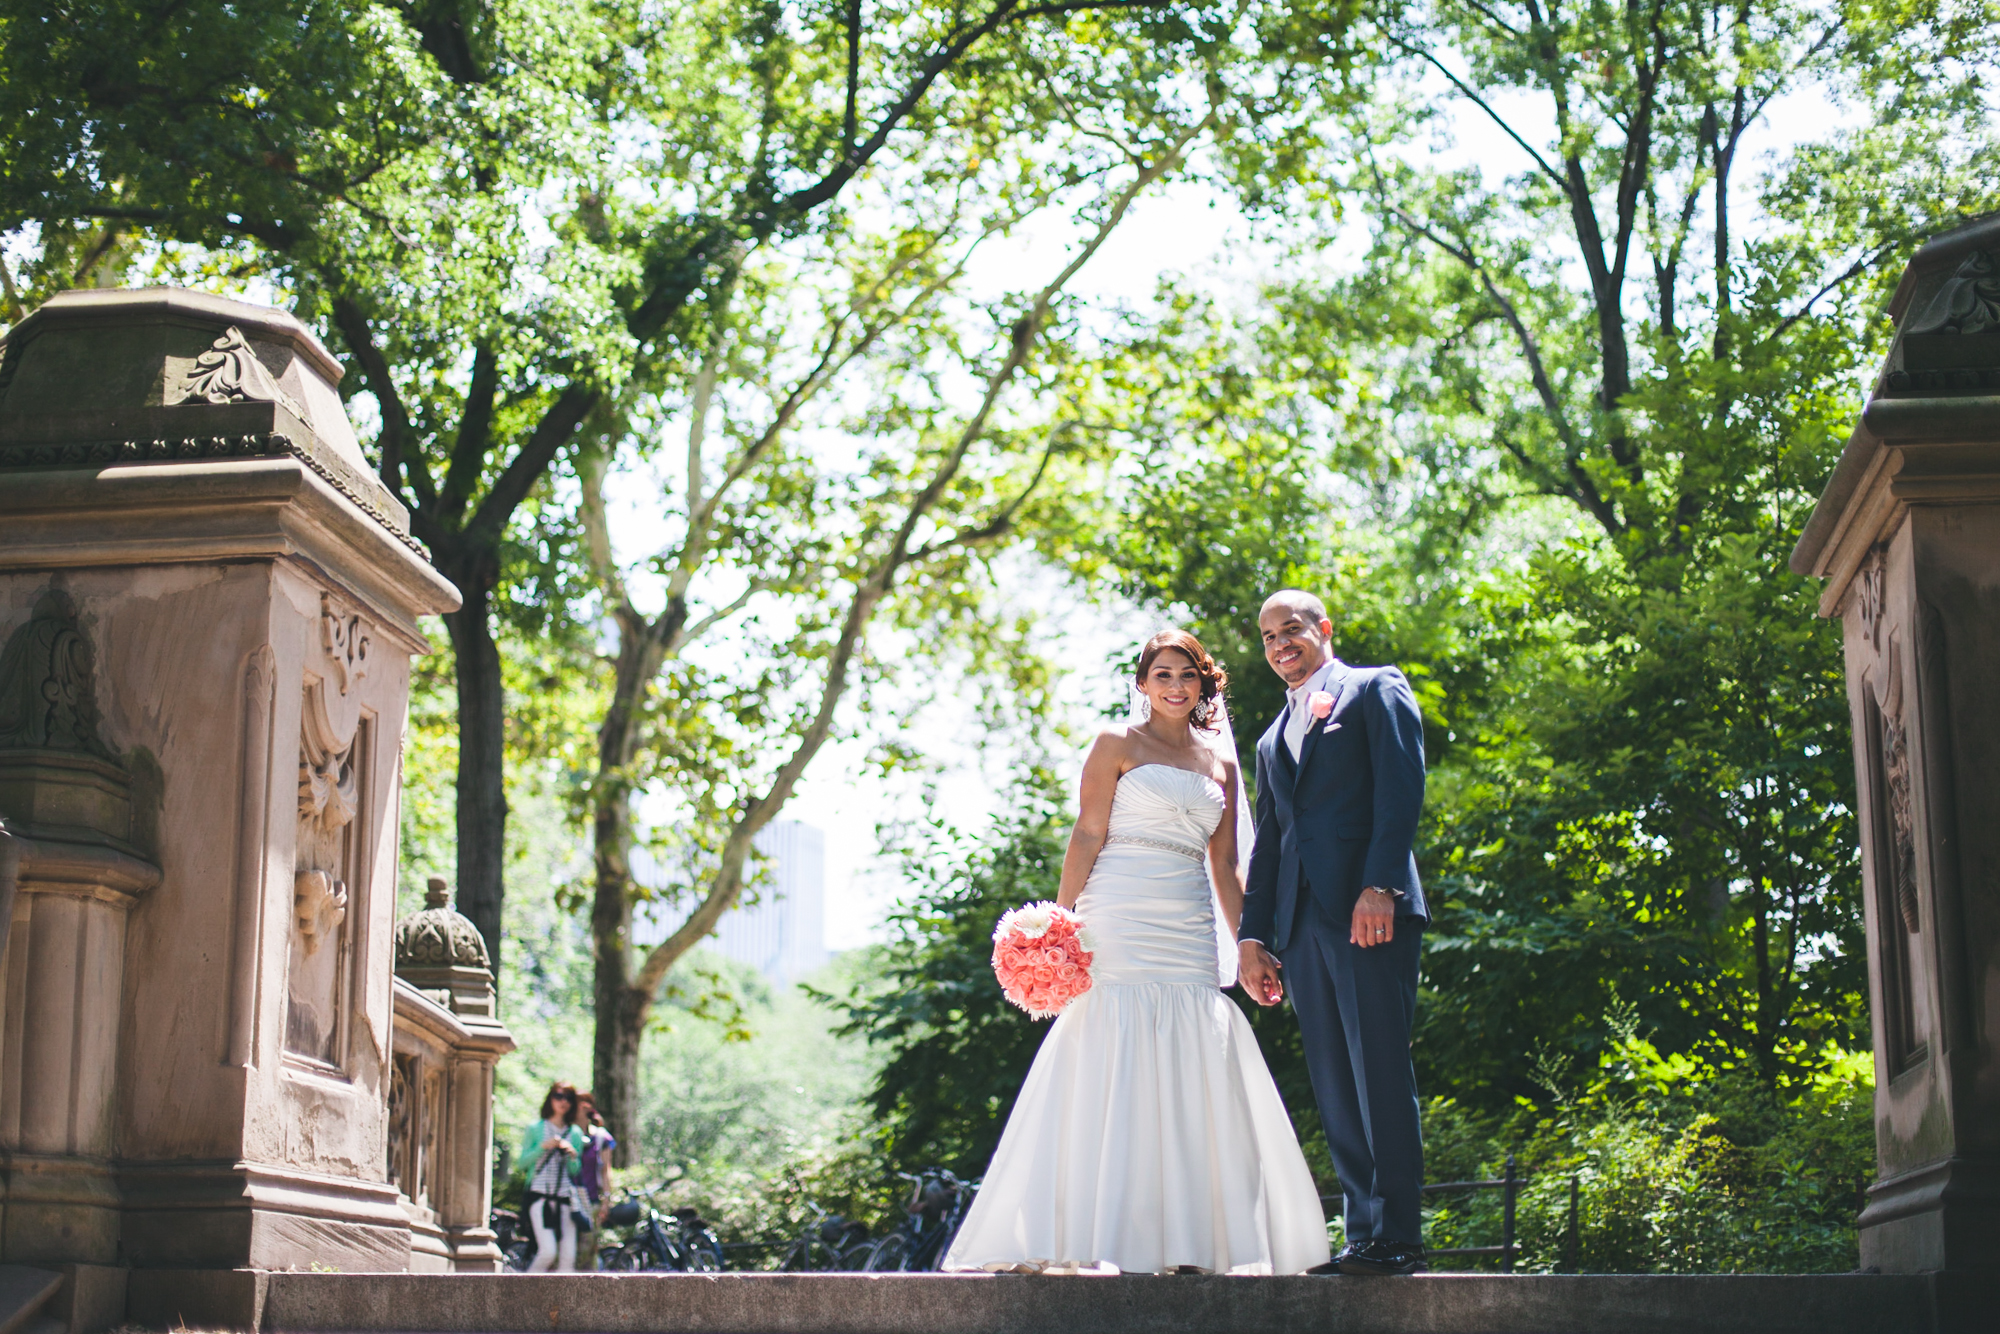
[554,1146]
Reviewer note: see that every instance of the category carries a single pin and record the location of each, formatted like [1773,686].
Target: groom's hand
[1258,972]
[1374,919]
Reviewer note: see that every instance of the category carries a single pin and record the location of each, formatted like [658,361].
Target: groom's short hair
[1299,600]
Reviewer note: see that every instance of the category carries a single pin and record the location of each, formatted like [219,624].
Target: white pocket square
[1331,727]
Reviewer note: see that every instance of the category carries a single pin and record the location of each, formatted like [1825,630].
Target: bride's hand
[1258,972]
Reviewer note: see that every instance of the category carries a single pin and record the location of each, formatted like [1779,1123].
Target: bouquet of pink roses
[1041,954]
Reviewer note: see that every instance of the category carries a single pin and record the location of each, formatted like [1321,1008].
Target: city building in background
[783,933]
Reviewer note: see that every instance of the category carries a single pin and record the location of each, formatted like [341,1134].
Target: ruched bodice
[1168,805]
[1147,899]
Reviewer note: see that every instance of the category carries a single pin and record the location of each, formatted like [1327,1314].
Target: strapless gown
[1148,1134]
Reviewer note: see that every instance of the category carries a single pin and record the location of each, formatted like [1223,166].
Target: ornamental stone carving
[346,639]
[1968,303]
[320,904]
[438,935]
[229,372]
[1869,594]
[48,689]
[441,954]
[1902,805]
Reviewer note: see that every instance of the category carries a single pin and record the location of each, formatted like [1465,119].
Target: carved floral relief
[1870,594]
[48,696]
[228,371]
[333,755]
[1902,822]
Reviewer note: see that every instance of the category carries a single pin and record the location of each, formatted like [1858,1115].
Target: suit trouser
[1355,1010]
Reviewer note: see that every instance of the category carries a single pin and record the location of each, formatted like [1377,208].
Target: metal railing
[1509,1185]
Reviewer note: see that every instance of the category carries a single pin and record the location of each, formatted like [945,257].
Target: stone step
[302,1303]
[24,1293]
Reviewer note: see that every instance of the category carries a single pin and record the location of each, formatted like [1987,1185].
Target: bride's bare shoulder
[1114,739]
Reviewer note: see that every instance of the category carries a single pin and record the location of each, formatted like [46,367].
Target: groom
[1333,900]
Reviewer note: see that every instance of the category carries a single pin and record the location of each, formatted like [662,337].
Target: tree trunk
[621,1008]
[621,1012]
[482,749]
[621,1022]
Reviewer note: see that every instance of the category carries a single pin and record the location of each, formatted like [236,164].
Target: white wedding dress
[1148,1135]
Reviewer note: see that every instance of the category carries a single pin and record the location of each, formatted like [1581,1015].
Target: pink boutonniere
[1319,704]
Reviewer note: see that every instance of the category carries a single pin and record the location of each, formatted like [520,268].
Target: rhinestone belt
[1182,848]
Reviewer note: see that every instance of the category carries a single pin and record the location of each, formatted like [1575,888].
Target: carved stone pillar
[441,1101]
[181,495]
[1907,534]
[70,807]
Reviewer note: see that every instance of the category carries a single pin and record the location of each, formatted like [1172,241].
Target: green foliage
[954,1052]
[1675,1172]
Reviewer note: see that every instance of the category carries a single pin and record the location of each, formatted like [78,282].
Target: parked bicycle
[514,1238]
[679,1241]
[830,1242]
[937,1205]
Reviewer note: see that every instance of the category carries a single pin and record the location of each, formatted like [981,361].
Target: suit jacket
[1342,817]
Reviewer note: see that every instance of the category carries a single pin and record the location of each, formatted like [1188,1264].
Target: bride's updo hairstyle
[1213,678]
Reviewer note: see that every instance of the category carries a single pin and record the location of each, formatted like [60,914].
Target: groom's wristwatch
[1385,893]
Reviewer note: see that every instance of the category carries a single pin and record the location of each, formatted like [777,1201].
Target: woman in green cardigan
[553,1148]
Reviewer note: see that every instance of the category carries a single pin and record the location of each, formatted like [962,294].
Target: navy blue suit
[1340,818]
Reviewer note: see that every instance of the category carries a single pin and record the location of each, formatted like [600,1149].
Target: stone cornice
[365,493]
[473,1034]
[227,508]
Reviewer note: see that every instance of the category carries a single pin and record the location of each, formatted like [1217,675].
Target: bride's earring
[1200,714]
[1142,707]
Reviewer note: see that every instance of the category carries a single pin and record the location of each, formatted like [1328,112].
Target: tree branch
[395,433]
[591,465]
[554,430]
[468,449]
[1853,271]
[1585,490]
[727,883]
[848,120]
[1480,102]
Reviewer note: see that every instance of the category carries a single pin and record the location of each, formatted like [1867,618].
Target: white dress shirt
[1297,717]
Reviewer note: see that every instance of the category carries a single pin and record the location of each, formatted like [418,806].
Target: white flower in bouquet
[1033,921]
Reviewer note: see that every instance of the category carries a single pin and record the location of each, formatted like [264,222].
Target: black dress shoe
[1383,1257]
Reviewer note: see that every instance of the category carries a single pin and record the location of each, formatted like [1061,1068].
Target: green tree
[1568,422]
[954,1051]
[826,549]
[503,211]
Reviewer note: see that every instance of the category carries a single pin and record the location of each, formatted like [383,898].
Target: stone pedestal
[1907,536]
[447,1042]
[209,606]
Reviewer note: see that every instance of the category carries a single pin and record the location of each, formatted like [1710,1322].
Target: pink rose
[1066,974]
[1319,704]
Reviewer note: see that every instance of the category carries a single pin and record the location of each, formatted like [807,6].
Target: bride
[1148,1136]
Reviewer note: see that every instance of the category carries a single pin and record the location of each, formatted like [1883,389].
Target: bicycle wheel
[889,1255]
[622,1260]
[701,1260]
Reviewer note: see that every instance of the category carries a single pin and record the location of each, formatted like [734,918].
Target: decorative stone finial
[437,935]
[440,952]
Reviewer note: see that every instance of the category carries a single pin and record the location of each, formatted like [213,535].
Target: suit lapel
[1337,687]
[1277,755]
